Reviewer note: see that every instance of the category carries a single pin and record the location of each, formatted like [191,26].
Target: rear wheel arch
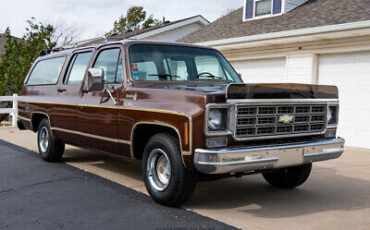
[143,131]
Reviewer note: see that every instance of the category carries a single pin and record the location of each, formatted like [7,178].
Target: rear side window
[77,68]
[111,62]
[46,71]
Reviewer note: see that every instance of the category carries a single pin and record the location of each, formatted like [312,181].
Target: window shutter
[249,9]
[276,9]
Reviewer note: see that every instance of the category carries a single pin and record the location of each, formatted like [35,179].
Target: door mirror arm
[110,95]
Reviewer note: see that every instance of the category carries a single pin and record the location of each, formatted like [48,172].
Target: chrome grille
[263,121]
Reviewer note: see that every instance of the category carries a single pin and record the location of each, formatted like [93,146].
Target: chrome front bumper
[233,160]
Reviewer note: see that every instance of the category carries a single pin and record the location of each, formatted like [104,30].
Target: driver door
[99,118]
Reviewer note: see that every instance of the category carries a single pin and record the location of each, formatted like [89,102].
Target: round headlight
[215,119]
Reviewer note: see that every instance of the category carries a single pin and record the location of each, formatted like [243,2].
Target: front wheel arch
[142,132]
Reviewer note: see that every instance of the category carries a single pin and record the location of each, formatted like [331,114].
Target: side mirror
[95,79]
[240,75]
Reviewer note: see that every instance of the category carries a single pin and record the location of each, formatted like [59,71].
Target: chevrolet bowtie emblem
[286,119]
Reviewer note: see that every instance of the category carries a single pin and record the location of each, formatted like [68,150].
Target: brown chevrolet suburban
[180,109]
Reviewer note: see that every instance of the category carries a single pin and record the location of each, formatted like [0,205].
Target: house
[302,41]
[167,31]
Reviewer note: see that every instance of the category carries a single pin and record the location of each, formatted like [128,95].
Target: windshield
[179,63]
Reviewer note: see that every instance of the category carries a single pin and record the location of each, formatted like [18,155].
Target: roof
[314,13]
[158,28]
[166,24]
[126,42]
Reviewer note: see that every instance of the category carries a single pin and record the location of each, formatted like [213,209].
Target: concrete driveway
[336,196]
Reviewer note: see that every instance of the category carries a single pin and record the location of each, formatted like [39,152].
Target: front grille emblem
[286,119]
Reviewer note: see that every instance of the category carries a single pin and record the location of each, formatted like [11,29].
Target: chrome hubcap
[159,169]
[44,139]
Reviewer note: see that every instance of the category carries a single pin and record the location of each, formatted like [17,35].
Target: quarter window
[77,68]
[111,62]
[46,71]
[263,7]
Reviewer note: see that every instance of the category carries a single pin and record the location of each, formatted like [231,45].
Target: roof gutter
[200,19]
[289,35]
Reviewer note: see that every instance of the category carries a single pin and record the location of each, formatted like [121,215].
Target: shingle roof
[144,30]
[314,13]
[128,35]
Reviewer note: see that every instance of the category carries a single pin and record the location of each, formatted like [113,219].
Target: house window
[263,7]
[255,9]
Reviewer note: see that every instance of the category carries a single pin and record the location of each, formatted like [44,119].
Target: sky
[92,18]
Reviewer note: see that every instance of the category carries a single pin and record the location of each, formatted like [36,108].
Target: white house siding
[270,70]
[351,73]
[176,34]
[341,62]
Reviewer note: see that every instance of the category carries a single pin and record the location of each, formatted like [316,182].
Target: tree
[21,53]
[135,15]
[135,18]
[151,22]
[64,33]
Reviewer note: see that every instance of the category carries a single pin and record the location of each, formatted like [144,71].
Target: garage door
[351,73]
[262,70]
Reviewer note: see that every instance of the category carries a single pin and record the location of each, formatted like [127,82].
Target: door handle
[60,90]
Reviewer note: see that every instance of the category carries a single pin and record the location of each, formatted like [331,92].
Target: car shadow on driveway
[323,191]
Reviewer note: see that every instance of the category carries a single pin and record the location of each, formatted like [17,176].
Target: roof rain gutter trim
[289,33]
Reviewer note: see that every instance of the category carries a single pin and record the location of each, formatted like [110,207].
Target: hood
[250,91]
[281,91]
[195,86]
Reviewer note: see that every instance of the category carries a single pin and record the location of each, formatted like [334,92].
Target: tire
[50,149]
[288,177]
[165,176]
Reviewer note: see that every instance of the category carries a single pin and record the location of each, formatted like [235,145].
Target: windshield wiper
[164,75]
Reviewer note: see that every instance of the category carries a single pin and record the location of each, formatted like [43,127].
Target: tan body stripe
[92,136]
[24,118]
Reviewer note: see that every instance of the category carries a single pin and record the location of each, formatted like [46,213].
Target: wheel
[166,178]
[50,149]
[288,177]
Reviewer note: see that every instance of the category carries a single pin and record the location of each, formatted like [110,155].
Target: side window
[46,71]
[111,62]
[77,68]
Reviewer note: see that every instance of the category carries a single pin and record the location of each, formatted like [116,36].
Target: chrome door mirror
[95,79]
